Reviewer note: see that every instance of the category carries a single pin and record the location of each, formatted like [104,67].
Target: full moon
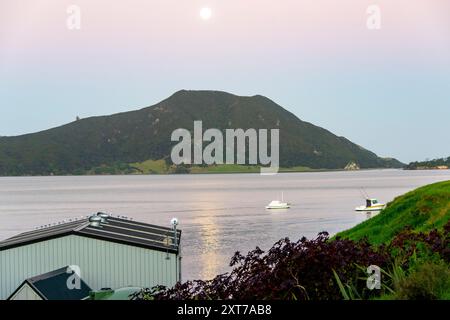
[205,13]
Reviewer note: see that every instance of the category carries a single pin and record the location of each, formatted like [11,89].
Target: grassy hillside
[151,166]
[101,144]
[162,167]
[422,209]
[235,168]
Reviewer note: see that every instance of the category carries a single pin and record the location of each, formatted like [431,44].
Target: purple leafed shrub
[407,241]
[289,270]
[303,270]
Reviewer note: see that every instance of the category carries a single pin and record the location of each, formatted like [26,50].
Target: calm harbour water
[218,214]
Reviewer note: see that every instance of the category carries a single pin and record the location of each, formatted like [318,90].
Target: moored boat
[276,204]
[371,205]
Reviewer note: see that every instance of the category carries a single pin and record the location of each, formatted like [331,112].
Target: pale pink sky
[33,30]
[315,57]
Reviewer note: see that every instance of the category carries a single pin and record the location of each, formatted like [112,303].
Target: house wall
[102,263]
[26,293]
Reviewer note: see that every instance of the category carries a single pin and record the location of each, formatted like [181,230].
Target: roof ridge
[51,227]
[123,231]
[47,275]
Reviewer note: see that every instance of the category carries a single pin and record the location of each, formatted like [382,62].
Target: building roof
[110,229]
[53,286]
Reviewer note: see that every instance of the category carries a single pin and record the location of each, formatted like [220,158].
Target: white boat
[277,204]
[371,205]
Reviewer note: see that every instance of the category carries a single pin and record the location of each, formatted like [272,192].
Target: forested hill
[442,163]
[144,134]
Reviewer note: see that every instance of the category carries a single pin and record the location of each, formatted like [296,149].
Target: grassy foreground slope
[423,209]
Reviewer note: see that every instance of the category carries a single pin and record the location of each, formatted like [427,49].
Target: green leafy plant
[429,281]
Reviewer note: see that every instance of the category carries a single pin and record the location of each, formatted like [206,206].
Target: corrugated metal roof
[113,229]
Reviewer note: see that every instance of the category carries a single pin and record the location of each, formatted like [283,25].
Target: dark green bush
[430,281]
